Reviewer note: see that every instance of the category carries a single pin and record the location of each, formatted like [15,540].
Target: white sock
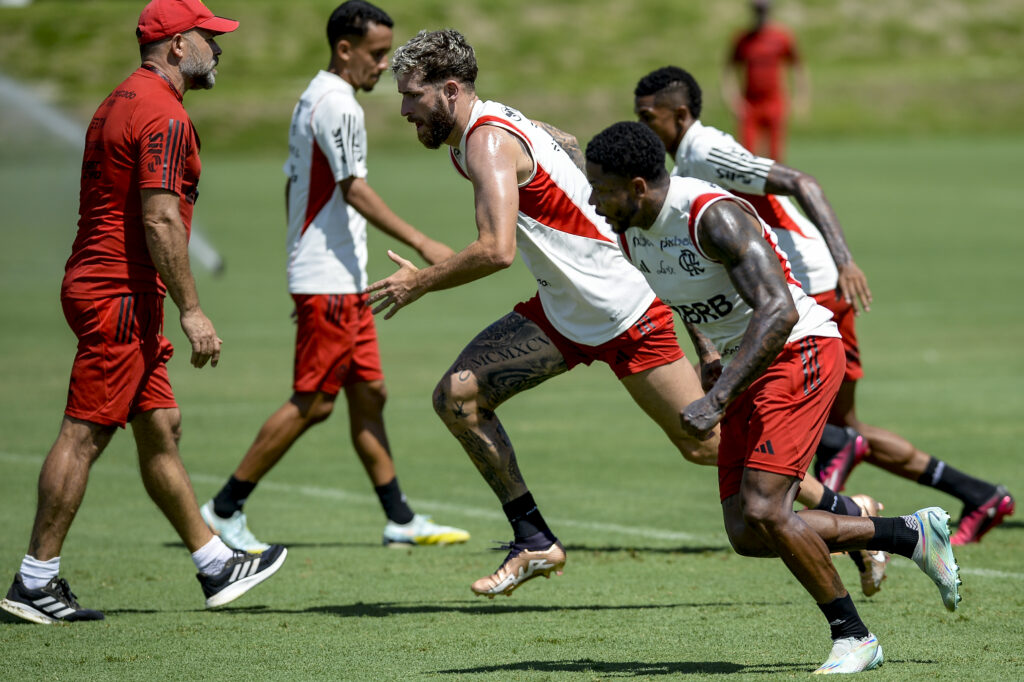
[35,573]
[211,557]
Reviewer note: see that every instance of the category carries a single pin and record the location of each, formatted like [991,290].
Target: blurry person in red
[761,107]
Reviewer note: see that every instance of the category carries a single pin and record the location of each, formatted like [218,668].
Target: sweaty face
[368,57]
[199,65]
[426,108]
[611,198]
[661,119]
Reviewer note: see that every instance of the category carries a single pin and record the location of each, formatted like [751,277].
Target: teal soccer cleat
[934,554]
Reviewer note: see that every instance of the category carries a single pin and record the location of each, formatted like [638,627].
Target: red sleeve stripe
[772,212]
[546,202]
[697,208]
[624,245]
[500,122]
[172,155]
[451,155]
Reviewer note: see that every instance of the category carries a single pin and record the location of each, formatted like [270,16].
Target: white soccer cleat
[852,655]
[234,531]
[422,531]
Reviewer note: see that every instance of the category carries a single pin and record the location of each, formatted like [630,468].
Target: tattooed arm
[566,141]
[783,180]
[730,235]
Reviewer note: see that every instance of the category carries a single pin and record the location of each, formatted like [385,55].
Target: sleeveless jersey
[697,287]
[589,292]
[326,144]
[709,154]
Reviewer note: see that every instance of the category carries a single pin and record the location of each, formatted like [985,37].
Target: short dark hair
[628,149]
[671,79]
[353,18]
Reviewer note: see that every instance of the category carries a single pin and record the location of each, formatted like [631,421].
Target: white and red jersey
[588,290]
[326,144]
[698,288]
[709,154]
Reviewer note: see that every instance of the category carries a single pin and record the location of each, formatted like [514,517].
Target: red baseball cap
[163,18]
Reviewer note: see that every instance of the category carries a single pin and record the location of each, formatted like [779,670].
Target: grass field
[651,589]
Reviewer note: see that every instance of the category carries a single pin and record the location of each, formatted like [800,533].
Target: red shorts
[764,115]
[650,342]
[120,368]
[336,343]
[843,314]
[775,425]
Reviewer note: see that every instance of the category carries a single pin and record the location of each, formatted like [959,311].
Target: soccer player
[771,364]
[762,108]
[329,203]
[668,100]
[140,174]
[591,305]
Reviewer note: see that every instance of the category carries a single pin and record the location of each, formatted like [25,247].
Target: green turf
[651,588]
[914,66]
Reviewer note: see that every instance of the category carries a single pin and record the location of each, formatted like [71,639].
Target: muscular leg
[280,431]
[366,424]
[510,356]
[663,392]
[157,433]
[62,482]
[760,521]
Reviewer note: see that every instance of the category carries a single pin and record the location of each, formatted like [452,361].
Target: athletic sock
[837,504]
[232,497]
[843,618]
[35,573]
[833,439]
[394,503]
[897,535]
[211,558]
[971,491]
[526,519]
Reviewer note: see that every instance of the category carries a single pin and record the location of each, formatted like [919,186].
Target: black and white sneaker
[242,572]
[52,603]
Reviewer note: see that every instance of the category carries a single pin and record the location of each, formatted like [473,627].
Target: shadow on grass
[633,549]
[644,669]
[634,668]
[470,608]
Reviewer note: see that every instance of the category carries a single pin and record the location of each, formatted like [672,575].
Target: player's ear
[343,50]
[682,113]
[638,187]
[451,90]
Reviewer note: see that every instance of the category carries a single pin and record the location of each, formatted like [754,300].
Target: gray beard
[201,75]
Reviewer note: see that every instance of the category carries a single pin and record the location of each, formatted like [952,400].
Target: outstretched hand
[853,286]
[397,291]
